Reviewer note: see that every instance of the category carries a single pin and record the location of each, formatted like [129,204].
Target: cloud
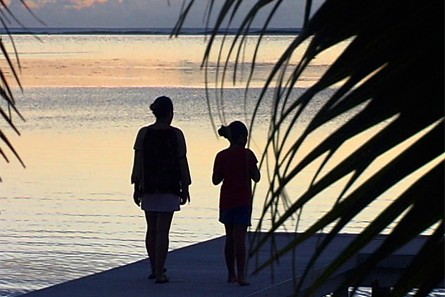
[67,4]
[33,4]
[82,4]
[138,13]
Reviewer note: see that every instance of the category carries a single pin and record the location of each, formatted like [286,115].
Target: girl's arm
[255,174]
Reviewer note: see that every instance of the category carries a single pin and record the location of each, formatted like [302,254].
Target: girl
[235,167]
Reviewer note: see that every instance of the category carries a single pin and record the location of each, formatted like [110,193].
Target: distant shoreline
[139,31]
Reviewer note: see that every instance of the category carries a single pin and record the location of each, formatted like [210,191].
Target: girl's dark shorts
[236,216]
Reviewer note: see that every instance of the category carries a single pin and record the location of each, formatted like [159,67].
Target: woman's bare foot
[162,279]
[231,279]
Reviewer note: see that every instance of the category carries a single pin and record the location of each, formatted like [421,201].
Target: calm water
[70,212]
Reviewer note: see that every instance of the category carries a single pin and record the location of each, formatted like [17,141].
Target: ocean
[70,212]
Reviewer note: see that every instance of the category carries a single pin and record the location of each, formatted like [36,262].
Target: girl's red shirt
[233,165]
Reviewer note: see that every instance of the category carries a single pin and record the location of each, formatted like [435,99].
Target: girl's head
[162,107]
[236,133]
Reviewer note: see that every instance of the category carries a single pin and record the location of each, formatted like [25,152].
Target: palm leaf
[354,203]
[390,78]
[6,93]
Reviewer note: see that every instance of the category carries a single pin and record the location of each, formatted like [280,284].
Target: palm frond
[14,67]
[390,79]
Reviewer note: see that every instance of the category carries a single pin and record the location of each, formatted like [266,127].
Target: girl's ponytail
[224,131]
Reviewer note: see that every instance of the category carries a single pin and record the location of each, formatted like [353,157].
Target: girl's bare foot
[231,279]
[243,282]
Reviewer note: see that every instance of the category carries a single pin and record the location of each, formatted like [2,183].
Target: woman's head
[236,133]
[162,107]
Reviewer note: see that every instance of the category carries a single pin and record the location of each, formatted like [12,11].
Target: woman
[235,167]
[161,181]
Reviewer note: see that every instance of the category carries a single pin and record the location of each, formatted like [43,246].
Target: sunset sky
[134,13]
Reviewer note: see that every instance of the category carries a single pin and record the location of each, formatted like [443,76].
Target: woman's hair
[233,131]
[162,107]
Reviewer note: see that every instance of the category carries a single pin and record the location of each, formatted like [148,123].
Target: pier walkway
[199,270]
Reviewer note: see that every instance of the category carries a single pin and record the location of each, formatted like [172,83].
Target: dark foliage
[393,70]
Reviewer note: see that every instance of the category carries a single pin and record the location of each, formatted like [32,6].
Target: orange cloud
[35,4]
[76,4]
[80,4]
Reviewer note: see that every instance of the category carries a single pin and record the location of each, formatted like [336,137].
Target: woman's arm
[216,178]
[217,175]
[184,169]
[136,177]
[136,173]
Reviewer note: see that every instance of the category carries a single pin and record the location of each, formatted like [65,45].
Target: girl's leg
[239,235]
[229,253]
[163,224]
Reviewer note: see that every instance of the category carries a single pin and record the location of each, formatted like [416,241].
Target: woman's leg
[150,238]
[229,253]
[239,237]
[163,224]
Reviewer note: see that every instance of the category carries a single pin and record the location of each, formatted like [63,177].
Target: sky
[136,13]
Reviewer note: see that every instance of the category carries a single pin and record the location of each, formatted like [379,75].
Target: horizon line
[138,30]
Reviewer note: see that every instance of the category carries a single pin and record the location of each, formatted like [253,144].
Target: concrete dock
[199,270]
